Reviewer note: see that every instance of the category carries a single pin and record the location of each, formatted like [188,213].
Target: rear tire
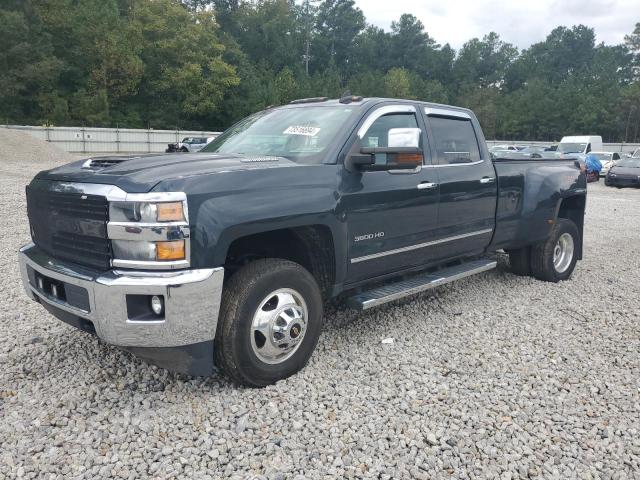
[270,322]
[554,259]
[520,261]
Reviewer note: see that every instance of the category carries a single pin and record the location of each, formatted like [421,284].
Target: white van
[580,144]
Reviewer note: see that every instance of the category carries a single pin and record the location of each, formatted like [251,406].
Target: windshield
[572,147]
[636,154]
[299,134]
[629,163]
[603,156]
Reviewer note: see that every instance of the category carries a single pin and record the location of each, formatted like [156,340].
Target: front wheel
[270,322]
[554,259]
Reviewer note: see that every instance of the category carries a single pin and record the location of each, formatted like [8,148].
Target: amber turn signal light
[411,158]
[170,250]
[170,212]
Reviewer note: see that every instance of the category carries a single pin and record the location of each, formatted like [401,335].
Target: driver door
[391,215]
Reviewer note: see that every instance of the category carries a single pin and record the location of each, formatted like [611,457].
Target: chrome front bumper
[191,300]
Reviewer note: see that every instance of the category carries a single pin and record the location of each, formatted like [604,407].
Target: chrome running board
[420,283]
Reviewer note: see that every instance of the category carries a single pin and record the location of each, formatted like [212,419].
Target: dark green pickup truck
[224,257]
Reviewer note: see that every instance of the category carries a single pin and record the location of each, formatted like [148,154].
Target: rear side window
[455,141]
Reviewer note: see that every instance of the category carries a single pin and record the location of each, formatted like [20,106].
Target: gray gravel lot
[495,376]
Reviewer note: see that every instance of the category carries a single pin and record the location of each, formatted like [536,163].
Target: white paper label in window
[301,130]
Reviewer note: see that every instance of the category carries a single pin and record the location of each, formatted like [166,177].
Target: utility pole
[306,57]
[308,10]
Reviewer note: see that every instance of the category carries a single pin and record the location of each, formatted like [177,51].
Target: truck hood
[140,173]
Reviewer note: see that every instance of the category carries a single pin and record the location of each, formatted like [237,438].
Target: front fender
[226,206]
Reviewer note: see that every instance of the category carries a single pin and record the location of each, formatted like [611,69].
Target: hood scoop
[103,162]
[106,161]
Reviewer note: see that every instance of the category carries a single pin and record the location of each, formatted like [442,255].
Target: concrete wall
[607,147]
[96,140]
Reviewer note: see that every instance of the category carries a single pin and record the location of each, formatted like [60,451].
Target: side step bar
[420,283]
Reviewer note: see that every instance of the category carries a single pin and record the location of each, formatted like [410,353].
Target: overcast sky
[521,22]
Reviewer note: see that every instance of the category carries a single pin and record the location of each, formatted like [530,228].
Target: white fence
[607,147]
[96,140]
[129,140]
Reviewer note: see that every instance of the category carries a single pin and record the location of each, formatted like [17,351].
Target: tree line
[203,64]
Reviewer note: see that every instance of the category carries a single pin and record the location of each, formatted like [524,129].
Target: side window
[455,141]
[616,156]
[588,148]
[378,133]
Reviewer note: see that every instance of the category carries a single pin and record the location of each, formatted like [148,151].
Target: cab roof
[366,102]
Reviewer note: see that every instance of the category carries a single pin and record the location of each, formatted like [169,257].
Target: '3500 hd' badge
[368,236]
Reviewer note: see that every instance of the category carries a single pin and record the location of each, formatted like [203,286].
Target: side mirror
[398,158]
[404,138]
[403,153]
[359,162]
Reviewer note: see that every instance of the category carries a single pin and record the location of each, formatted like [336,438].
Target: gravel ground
[495,376]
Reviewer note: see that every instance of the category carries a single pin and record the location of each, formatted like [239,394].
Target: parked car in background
[536,152]
[503,148]
[607,159]
[189,144]
[625,173]
[580,144]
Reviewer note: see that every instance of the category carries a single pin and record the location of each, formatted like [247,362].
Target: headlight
[141,251]
[146,212]
[150,230]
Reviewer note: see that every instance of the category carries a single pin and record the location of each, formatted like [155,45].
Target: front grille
[70,226]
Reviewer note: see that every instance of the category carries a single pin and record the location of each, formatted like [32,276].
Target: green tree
[29,68]
[207,63]
[484,62]
[183,64]
[338,23]
[632,42]
[397,83]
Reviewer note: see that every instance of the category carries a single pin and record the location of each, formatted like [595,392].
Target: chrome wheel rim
[278,326]
[563,253]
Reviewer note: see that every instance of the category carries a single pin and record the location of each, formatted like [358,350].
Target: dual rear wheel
[551,260]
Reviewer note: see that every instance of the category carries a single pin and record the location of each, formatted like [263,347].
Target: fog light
[156,305]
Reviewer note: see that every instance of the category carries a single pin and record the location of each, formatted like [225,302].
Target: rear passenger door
[468,183]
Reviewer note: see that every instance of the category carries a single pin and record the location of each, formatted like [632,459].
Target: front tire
[270,322]
[554,259]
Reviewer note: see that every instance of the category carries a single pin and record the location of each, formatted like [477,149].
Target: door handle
[427,186]
[487,180]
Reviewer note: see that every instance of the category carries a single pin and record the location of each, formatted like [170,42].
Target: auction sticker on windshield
[300,130]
